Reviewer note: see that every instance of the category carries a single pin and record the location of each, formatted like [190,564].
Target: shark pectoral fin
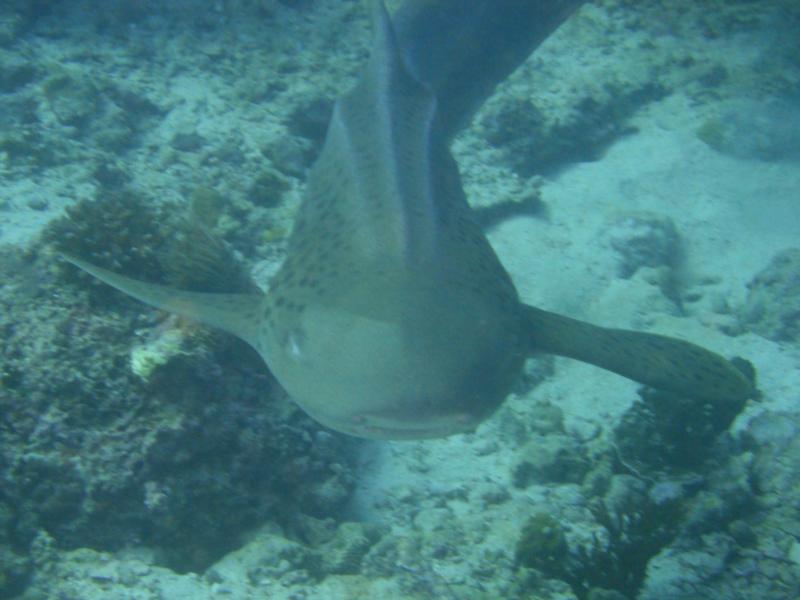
[238,314]
[659,361]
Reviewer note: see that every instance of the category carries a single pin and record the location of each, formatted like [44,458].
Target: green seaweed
[119,230]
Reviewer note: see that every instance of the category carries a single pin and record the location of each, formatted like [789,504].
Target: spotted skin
[656,360]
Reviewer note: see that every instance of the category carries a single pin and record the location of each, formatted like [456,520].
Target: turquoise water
[639,171]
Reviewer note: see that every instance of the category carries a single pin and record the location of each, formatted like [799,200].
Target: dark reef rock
[664,431]
[188,141]
[550,459]
[310,119]
[185,462]
[15,564]
[268,188]
[15,72]
[73,99]
[100,112]
[536,142]
[542,545]
[773,302]
[120,230]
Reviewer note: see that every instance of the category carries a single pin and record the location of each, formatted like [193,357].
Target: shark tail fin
[238,314]
[659,361]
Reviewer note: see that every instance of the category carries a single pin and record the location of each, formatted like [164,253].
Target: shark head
[399,359]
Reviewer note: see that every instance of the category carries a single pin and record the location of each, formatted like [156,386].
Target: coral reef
[550,458]
[151,354]
[772,308]
[739,528]
[344,553]
[666,431]
[542,545]
[267,188]
[185,462]
[750,105]
[122,231]
[536,141]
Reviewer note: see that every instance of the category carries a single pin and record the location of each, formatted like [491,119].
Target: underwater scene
[423,299]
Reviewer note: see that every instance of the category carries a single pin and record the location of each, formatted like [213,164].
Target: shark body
[391,316]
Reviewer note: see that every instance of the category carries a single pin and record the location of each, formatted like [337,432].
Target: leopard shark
[391,316]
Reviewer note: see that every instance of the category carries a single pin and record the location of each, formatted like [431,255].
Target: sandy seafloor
[454,501]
